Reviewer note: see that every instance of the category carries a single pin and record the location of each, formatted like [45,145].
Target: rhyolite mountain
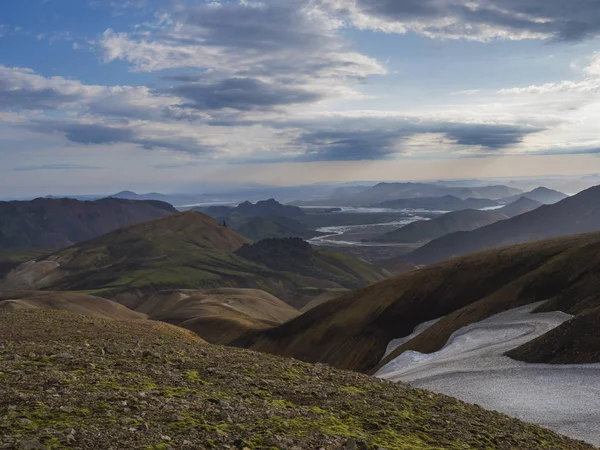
[217,315]
[264,208]
[150,385]
[445,203]
[183,251]
[72,302]
[61,222]
[577,214]
[464,220]
[541,194]
[354,330]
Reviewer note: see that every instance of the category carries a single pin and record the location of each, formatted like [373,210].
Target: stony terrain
[78,382]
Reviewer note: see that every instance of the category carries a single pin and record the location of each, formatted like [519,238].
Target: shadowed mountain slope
[446,203]
[297,256]
[465,220]
[264,208]
[183,251]
[158,381]
[12,258]
[218,315]
[577,214]
[273,227]
[542,194]
[393,191]
[59,223]
[354,330]
[574,342]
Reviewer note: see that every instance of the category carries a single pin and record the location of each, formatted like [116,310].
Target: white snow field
[472,368]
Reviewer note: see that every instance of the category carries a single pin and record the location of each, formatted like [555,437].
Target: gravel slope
[75,382]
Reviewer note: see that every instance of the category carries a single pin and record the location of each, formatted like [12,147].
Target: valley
[338,287]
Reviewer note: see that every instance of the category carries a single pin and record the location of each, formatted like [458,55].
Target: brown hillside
[188,251]
[218,315]
[353,331]
[72,302]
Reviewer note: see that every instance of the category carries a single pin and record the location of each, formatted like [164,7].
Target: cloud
[358,140]
[590,84]
[149,136]
[84,133]
[481,20]
[65,166]
[289,42]
[492,137]
[23,89]
[241,93]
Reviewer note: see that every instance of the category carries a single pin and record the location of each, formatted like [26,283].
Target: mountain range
[264,208]
[462,220]
[577,214]
[354,330]
[184,251]
[540,194]
[445,203]
[59,223]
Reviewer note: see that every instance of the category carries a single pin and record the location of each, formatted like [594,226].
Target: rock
[14,357]
[25,422]
[225,417]
[350,445]
[31,445]
[144,427]
[176,418]
[63,356]
[223,404]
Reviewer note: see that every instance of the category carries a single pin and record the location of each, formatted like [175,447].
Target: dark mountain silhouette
[577,214]
[258,228]
[541,194]
[364,196]
[465,220]
[264,208]
[59,223]
[520,206]
[445,203]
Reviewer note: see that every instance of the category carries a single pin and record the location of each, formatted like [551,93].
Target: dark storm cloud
[353,141]
[493,137]
[105,134]
[562,19]
[244,94]
[350,145]
[271,26]
[83,133]
[31,96]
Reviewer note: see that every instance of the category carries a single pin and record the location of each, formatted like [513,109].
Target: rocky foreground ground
[70,381]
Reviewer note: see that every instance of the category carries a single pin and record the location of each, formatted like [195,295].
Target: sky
[99,95]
